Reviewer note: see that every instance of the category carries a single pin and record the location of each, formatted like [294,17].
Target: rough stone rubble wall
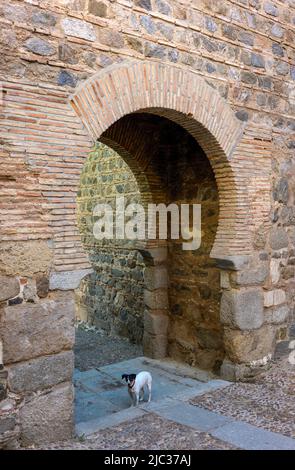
[243,49]
[111,298]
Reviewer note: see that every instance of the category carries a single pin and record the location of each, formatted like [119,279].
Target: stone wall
[111,298]
[195,331]
[39,361]
[182,56]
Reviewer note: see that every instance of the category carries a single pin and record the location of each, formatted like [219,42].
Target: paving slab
[189,415]
[98,382]
[91,426]
[90,406]
[250,437]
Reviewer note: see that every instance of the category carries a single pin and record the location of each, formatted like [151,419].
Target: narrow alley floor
[93,348]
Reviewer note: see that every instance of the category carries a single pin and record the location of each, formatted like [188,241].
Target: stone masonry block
[25,258]
[78,29]
[275,270]
[155,346]
[277,314]
[155,323]
[67,280]
[279,296]
[32,330]
[48,417]
[274,297]
[253,276]
[156,255]
[268,298]
[242,309]
[224,280]
[249,346]
[157,299]
[155,277]
[41,373]
[9,287]
[242,372]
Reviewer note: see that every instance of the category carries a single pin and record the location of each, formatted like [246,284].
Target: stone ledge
[234,263]
[67,280]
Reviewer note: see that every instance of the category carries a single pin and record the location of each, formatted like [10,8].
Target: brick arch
[185,98]
[128,142]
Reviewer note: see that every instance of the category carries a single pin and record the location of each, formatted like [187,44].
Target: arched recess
[185,98]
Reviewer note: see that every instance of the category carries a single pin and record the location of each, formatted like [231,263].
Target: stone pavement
[102,410]
[100,392]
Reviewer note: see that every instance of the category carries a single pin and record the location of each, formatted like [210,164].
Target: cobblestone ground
[148,432]
[95,349]
[268,403]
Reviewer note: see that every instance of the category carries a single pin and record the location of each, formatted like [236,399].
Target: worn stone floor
[100,392]
[190,409]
